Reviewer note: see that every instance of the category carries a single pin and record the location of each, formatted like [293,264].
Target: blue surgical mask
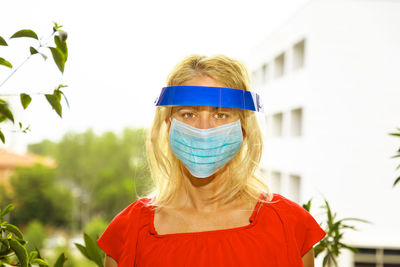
[204,151]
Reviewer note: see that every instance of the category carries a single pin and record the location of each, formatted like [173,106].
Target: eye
[221,115]
[188,115]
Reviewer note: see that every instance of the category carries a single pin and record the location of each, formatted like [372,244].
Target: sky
[120,54]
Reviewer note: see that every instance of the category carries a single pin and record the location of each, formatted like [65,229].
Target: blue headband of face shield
[210,96]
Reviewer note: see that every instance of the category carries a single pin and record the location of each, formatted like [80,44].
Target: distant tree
[5,198]
[37,196]
[35,234]
[108,171]
[95,227]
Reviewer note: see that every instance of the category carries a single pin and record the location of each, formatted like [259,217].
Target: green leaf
[2,118]
[62,46]
[56,27]
[83,250]
[20,251]
[55,103]
[25,33]
[93,250]
[13,229]
[3,42]
[58,57]
[33,50]
[33,255]
[25,100]
[60,261]
[396,181]
[6,111]
[395,134]
[5,63]
[3,139]
[40,257]
[44,56]
[7,210]
[307,206]
[5,242]
[39,261]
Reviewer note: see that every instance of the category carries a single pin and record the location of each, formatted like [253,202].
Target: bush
[95,227]
[35,234]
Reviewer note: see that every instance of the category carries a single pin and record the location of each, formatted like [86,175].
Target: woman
[208,207]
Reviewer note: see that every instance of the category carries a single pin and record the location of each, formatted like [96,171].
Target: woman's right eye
[188,115]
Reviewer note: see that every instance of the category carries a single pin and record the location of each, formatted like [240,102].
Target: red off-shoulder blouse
[278,235]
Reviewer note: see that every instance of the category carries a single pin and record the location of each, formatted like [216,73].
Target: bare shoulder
[110,262]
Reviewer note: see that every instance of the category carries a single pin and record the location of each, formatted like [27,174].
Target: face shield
[206,129]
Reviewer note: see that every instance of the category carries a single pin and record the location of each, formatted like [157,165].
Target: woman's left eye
[221,116]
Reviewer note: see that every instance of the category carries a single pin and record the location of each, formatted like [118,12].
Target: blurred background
[327,70]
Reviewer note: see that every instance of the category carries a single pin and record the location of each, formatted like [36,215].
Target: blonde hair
[166,169]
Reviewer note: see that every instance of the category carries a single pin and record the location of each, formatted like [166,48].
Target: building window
[294,187]
[296,121]
[277,124]
[377,257]
[298,55]
[264,73]
[275,182]
[279,65]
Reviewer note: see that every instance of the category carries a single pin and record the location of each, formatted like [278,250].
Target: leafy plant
[396,156]
[35,235]
[91,250]
[13,250]
[59,52]
[50,202]
[332,244]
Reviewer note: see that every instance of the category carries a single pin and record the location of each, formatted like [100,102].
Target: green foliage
[4,110]
[13,250]
[5,197]
[70,258]
[3,42]
[59,53]
[25,33]
[5,63]
[332,244]
[38,196]
[95,227]
[396,134]
[35,234]
[91,250]
[25,100]
[107,169]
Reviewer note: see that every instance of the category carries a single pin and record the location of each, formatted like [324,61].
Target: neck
[198,193]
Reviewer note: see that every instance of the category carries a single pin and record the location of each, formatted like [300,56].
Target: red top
[279,234]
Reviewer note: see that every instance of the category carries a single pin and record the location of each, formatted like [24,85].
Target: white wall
[349,90]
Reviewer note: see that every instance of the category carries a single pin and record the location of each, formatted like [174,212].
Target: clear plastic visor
[204,117]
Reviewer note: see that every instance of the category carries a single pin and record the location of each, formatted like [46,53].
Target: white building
[330,82]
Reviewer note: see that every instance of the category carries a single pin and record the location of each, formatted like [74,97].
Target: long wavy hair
[167,170]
